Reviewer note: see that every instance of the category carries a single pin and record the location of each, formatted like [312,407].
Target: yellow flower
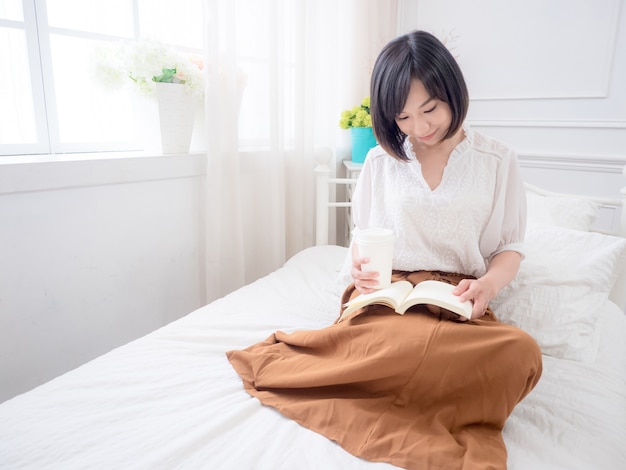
[359,116]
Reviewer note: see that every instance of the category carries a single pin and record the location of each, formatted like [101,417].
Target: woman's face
[424,119]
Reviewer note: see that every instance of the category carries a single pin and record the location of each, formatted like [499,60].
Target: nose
[420,127]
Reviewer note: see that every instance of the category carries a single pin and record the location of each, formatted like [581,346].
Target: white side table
[353,170]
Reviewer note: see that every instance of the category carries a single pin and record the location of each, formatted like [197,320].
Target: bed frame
[326,201]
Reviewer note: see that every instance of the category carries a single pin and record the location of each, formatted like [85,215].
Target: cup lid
[375,235]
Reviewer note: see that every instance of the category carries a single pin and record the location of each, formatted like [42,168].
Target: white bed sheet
[171,399]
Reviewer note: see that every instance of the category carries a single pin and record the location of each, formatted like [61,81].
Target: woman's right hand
[364,281]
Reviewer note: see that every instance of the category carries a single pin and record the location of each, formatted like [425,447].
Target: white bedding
[172,400]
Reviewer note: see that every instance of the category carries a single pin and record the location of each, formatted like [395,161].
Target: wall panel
[545,76]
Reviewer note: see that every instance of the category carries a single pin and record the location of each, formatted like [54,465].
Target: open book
[401,295]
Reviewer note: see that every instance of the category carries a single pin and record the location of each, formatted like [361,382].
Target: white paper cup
[377,245]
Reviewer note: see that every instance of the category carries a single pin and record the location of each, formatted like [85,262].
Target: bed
[172,400]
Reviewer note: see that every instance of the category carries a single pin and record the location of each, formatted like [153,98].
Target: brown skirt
[415,390]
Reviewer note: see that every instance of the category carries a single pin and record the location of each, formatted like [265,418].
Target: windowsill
[26,173]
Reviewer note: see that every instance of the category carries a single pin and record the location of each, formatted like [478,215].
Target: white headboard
[326,202]
[618,205]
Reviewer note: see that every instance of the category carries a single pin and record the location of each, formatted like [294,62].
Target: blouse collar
[466,143]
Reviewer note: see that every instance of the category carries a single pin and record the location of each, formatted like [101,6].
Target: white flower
[137,63]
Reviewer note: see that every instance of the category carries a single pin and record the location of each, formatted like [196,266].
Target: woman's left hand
[501,270]
[479,291]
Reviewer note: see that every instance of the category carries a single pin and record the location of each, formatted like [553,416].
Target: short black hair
[415,55]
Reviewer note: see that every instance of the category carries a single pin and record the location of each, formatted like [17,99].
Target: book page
[391,296]
[437,293]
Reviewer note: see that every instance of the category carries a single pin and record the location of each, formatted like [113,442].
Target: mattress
[171,399]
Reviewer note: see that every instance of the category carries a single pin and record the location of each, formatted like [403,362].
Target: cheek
[445,118]
[402,125]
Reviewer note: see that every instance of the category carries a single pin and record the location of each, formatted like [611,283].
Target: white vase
[177,111]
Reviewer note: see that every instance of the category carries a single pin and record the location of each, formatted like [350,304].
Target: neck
[442,149]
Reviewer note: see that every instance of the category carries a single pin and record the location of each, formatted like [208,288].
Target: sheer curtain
[280,72]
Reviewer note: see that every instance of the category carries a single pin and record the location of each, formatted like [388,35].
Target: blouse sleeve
[506,227]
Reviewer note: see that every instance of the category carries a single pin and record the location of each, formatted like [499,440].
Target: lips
[427,137]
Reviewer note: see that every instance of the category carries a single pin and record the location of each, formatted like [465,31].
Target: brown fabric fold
[414,390]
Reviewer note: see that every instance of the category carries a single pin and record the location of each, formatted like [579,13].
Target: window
[51,99]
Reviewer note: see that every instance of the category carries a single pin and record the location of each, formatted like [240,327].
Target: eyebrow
[427,101]
[421,105]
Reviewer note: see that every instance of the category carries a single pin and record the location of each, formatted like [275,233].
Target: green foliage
[359,116]
[168,76]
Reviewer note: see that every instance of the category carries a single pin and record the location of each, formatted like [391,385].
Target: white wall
[547,77]
[93,253]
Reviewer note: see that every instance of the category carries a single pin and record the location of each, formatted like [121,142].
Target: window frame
[29,26]
[38,33]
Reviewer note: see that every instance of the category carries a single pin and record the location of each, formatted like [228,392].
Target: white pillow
[560,211]
[563,281]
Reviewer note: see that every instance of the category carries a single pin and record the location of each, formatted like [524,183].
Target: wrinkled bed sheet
[172,400]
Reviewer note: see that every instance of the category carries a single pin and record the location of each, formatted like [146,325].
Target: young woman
[453,197]
[417,390]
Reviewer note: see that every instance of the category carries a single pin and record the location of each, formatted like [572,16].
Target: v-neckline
[420,171]
[453,153]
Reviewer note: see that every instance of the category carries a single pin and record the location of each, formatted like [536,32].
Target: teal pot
[362,141]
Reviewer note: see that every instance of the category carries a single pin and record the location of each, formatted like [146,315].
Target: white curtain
[280,72]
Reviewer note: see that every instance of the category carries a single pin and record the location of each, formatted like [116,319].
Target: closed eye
[430,110]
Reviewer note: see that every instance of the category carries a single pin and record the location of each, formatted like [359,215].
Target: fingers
[364,281]
[472,289]
[478,311]
[461,288]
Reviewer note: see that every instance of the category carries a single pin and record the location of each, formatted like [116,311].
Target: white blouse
[477,211]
